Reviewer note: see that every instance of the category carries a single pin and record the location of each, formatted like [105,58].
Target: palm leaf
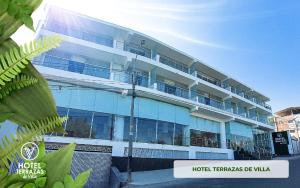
[16,59]
[34,130]
[19,82]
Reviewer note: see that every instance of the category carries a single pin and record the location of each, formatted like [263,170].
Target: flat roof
[288,111]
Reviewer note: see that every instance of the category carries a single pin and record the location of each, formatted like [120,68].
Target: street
[292,181]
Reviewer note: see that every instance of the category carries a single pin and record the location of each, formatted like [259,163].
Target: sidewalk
[292,157]
[151,177]
[165,178]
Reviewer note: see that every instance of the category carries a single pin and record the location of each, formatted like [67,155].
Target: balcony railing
[136,49]
[210,102]
[173,63]
[174,90]
[126,77]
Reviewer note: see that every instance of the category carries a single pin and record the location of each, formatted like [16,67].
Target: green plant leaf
[16,84]
[12,61]
[28,22]
[3,173]
[5,116]
[58,184]
[12,9]
[81,179]
[1,28]
[16,185]
[58,164]
[40,182]
[29,185]
[11,147]
[42,152]
[4,6]
[68,181]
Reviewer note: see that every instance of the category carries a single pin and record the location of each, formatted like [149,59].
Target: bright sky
[257,42]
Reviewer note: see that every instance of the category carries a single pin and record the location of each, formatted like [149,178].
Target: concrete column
[119,128]
[111,73]
[157,57]
[223,135]
[114,43]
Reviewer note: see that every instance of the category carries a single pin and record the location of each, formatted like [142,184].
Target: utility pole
[130,143]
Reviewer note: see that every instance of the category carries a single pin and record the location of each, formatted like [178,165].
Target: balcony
[62,63]
[136,49]
[173,63]
[126,77]
[145,52]
[173,90]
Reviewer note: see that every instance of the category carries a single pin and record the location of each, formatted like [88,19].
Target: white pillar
[119,128]
[223,135]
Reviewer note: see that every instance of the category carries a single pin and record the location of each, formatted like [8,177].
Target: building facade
[287,120]
[184,109]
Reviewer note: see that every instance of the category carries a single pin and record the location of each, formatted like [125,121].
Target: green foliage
[57,165]
[29,185]
[19,82]
[15,59]
[5,116]
[17,185]
[79,181]
[35,104]
[13,14]
[32,130]
[40,182]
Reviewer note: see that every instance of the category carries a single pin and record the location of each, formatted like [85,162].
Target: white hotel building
[184,109]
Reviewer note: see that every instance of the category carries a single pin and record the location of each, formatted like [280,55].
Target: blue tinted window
[56,62]
[79,123]
[96,71]
[126,128]
[146,131]
[75,67]
[178,135]
[101,128]
[165,132]
[80,33]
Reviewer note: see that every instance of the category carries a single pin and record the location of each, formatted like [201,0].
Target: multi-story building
[183,109]
[288,120]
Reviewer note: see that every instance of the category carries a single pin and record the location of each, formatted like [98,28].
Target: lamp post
[131,125]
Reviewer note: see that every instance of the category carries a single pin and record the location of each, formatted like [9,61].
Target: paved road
[293,181]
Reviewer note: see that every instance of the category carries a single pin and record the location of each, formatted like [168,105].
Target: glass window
[239,142]
[165,132]
[79,123]
[75,67]
[146,131]
[178,135]
[55,62]
[96,71]
[204,139]
[61,112]
[126,129]
[102,125]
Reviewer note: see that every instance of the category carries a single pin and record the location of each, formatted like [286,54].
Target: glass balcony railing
[174,90]
[209,79]
[173,63]
[136,49]
[67,64]
[210,102]
[126,77]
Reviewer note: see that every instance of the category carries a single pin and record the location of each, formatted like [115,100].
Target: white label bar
[231,169]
